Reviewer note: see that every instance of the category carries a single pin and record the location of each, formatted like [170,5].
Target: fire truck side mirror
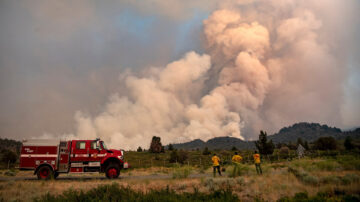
[98,145]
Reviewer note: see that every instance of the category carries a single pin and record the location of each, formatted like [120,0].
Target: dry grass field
[331,176]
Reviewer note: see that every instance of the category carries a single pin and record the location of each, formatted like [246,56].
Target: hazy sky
[59,59]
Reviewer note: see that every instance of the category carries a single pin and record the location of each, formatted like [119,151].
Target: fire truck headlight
[120,157]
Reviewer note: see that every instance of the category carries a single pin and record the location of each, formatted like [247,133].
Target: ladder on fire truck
[64,157]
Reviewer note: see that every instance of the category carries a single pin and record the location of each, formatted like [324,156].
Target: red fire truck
[49,158]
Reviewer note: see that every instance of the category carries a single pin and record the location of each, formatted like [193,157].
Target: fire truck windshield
[103,145]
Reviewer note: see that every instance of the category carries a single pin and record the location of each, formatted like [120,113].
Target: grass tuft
[181,172]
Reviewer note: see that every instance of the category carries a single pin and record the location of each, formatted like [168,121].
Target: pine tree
[206,151]
[173,156]
[270,147]
[300,141]
[156,146]
[139,149]
[306,145]
[8,156]
[263,145]
[325,143]
[348,143]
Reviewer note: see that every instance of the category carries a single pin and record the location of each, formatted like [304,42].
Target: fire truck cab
[49,158]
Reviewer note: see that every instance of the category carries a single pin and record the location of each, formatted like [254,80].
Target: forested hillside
[306,131]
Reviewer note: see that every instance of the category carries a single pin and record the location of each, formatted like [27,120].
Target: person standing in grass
[216,164]
[257,162]
[236,159]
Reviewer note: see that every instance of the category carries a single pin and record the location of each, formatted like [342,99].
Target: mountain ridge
[304,130]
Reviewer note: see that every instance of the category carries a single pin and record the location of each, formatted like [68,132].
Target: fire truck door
[80,151]
[64,151]
[96,154]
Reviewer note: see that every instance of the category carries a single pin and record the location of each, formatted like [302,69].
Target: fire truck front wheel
[45,173]
[112,171]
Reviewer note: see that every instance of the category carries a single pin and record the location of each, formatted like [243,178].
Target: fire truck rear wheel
[112,171]
[45,173]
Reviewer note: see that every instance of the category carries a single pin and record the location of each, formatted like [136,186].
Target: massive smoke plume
[272,63]
[163,104]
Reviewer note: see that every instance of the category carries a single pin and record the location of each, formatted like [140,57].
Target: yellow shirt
[236,158]
[215,160]
[257,158]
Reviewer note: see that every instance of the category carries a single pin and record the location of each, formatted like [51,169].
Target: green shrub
[304,177]
[284,152]
[116,193]
[297,173]
[182,172]
[209,183]
[203,168]
[10,173]
[303,196]
[350,178]
[224,183]
[304,164]
[309,179]
[353,177]
[350,198]
[214,184]
[346,180]
[237,170]
[240,181]
[276,166]
[349,162]
[328,165]
[331,180]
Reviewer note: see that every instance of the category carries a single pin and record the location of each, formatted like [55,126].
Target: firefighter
[236,160]
[216,164]
[257,162]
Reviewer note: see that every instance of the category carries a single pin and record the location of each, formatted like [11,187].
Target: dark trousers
[218,168]
[258,168]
